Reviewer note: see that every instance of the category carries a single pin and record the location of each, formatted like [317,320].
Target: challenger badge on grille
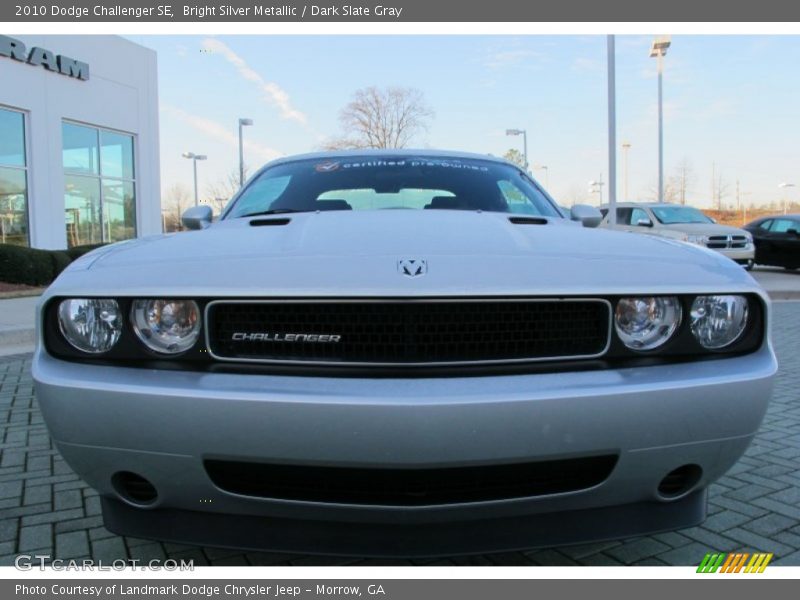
[243,336]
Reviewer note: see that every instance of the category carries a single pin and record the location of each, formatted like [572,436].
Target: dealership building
[79,155]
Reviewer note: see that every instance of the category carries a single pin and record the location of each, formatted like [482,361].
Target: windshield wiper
[273,211]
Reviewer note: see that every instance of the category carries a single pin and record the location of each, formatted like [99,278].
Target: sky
[731,104]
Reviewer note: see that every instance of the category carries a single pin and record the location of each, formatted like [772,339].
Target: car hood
[353,253]
[704,229]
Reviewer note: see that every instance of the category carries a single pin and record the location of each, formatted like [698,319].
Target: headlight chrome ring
[166,326]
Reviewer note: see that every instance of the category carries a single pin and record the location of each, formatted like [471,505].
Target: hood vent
[269,222]
[528,220]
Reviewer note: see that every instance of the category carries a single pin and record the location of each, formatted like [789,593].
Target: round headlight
[718,321]
[91,325]
[647,322]
[166,326]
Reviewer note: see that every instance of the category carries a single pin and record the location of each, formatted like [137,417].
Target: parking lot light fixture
[242,123]
[658,51]
[194,158]
[783,186]
[546,174]
[524,135]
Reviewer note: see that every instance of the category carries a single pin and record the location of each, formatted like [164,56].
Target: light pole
[625,147]
[612,130]
[546,174]
[659,50]
[783,186]
[524,135]
[242,123]
[194,157]
[596,186]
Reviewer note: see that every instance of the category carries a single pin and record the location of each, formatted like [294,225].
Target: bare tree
[219,193]
[175,201]
[382,118]
[682,181]
[516,157]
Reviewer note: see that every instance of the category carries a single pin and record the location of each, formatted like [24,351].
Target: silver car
[686,224]
[401,353]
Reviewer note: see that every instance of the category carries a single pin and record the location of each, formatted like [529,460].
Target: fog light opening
[680,481]
[134,488]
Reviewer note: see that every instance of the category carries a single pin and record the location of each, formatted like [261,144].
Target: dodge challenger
[401,353]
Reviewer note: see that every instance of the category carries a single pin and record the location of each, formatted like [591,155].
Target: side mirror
[197,217]
[792,232]
[588,216]
[644,223]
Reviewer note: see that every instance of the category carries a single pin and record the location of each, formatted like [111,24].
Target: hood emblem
[412,267]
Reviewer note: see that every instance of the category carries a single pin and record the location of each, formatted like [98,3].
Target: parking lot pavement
[46,509]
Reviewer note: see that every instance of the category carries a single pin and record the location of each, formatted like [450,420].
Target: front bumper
[738,254]
[163,424]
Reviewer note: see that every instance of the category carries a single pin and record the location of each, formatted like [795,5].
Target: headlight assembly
[645,323]
[91,325]
[166,326]
[718,321]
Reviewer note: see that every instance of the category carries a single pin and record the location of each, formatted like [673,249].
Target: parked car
[687,224]
[777,240]
[401,353]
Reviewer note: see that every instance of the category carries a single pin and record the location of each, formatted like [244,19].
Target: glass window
[80,149]
[13,179]
[369,183]
[12,138]
[116,155]
[765,224]
[782,225]
[13,204]
[637,214]
[119,210]
[82,201]
[100,185]
[670,215]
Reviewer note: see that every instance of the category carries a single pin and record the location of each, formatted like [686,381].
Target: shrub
[25,265]
[31,266]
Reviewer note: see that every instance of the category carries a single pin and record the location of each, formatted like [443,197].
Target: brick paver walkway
[46,509]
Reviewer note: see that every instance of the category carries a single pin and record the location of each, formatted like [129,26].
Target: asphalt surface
[46,509]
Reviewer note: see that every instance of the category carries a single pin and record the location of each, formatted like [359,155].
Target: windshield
[375,183]
[669,215]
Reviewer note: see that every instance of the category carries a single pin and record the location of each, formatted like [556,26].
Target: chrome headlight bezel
[710,307]
[101,315]
[645,323]
[179,327]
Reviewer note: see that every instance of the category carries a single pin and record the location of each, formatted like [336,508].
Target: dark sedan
[777,240]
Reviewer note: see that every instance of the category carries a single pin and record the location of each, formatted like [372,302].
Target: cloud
[221,133]
[503,59]
[272,92]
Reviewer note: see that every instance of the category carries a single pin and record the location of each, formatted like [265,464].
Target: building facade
[79,150]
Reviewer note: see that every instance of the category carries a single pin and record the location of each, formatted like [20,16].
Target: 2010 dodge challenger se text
[401,353]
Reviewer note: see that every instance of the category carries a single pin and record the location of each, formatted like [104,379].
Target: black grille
[409,487]
[408,332]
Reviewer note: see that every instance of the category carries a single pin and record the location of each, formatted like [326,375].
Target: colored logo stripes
[735,562]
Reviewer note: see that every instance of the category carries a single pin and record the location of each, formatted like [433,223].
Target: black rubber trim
[401,540]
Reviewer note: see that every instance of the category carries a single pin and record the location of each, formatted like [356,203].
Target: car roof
[640,204]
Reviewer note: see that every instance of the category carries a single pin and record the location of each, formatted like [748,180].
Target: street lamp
[625,147]
[783,186]
[242,123]
[596,186]
[524,135]
[546,174]
[659,50]
[194,157]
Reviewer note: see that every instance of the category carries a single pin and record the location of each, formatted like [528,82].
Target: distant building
[79,150]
